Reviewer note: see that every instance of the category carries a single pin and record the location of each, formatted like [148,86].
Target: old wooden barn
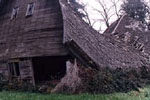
[31,35]
[37,37]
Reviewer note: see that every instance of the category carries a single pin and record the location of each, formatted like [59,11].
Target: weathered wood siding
[4,69]
[96,46]
[26,70]
[37,35]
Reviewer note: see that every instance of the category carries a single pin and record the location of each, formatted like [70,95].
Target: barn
[37,37]
[31,34]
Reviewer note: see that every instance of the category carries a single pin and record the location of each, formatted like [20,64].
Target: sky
[100,25]
[94,15]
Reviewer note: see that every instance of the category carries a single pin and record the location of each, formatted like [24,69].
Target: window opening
[15,12]
[30,9]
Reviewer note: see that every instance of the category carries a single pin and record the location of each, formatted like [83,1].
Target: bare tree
[115,5]
[107,12]
[104,12]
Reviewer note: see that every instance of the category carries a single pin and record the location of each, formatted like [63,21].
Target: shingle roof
[99,48]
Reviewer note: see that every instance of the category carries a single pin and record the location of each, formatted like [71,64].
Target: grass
[143,94]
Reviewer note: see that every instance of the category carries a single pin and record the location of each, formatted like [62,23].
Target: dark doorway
[14,69]
[49,68]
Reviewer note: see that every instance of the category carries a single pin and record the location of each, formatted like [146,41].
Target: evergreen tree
[77,7]
[80,9]
[136,9]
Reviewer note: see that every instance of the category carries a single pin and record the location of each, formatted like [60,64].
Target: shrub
[116,80]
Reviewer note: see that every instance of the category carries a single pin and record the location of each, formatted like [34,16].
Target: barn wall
[20,69]
[26,70]
[4,70]
[37,35]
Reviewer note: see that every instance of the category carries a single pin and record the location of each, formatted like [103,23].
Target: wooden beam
[33,76]
[80,54]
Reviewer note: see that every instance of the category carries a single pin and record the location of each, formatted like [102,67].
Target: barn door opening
[49,68]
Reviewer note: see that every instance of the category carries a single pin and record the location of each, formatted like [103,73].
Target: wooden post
[9,72]
[33,77]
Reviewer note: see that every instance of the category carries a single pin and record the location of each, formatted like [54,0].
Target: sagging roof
[96,46]
[132,32]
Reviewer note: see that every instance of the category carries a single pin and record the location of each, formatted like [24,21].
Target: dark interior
[14,69]
[49,68]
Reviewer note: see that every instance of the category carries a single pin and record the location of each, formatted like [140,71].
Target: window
[14,69]
[30,9]
[15,12]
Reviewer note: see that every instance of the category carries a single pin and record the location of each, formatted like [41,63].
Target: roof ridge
[118,24]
